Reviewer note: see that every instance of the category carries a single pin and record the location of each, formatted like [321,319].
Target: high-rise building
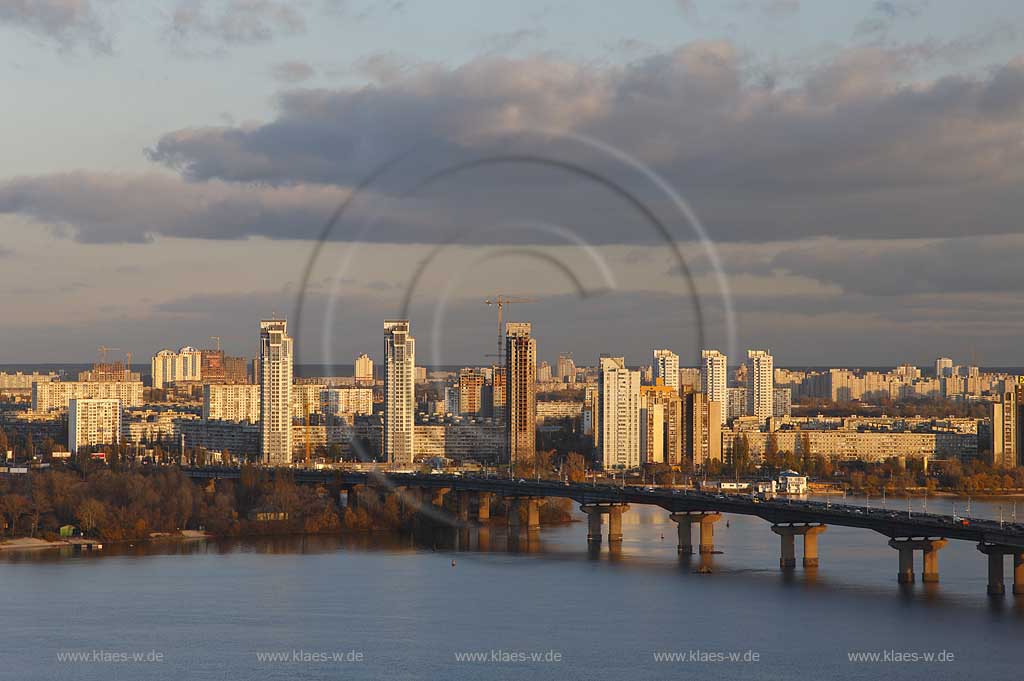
[943,367]
[170,367]
[761,386]
[782,402]
[736,403]
[661,425]
[231,402]
[715,377]
[666,367]
[520,391]
[1006,427]
[399,392]
[543,372]
[566,370]
[219,368]
[93,422]
[703,437]
[471,384]
[619,414]
[364,369]
[498,382]
[276,365]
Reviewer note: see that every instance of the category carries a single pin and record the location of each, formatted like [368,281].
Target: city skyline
[865,252]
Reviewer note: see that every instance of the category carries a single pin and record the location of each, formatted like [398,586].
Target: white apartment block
[93,422]
[364,369]
[172,367]
[943,367]
[399,392]
[231,402]
[715,377]
[338,401]
[276,366]
[761,384]
[57,395]
[666,367]
[306,396]
[19,382]
[619,410]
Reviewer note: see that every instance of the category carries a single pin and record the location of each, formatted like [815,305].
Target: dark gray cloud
[98,207]
[68,22]
[854,151]
[851,151]
[899,268]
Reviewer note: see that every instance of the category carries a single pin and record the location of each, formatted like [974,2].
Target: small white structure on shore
[791,482]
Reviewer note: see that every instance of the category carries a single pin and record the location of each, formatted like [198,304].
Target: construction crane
[216,338]
[501,301]
[103,353]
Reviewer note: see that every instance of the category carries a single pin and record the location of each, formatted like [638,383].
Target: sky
[838,182]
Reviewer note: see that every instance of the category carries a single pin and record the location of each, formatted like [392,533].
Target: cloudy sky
[840,182]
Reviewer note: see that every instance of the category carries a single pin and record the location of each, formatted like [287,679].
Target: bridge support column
[906,573]
[996,557]
[593,524]
[787,558]
[615,512]
[930,548]
[996,585]
[483,511]
[513,514]
[931,560]
[437,496]
[707,531]
[463,499]
[532,514]
[811,545]
[684,530]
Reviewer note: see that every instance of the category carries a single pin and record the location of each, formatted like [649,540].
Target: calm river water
[388,608]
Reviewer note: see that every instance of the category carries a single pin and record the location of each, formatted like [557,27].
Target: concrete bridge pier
[463,507]
[593,524]
[707,531]
[438,495]
[929,547]
[615,512]
[684,522]
[811,545]
[594,513]
[996,586]
[532,507]
[787,533]
[483,510]
[996,558]
[931,560]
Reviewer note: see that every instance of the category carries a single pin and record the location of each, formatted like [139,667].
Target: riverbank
[34,543]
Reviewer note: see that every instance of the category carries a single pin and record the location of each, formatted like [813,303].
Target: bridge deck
[887,522]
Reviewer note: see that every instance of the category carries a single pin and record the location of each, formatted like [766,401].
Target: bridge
[908,532]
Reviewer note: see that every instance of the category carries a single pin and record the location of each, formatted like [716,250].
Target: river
[387,607]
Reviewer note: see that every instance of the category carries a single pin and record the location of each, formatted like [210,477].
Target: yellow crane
[500,301]
[216,338]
